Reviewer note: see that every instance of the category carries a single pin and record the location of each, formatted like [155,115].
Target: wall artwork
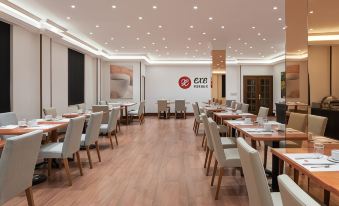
[121,82]
[283,84]
[293,81]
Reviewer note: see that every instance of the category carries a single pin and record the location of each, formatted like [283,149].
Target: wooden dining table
[275,137]
[219,117]
[328,180]
[124,107]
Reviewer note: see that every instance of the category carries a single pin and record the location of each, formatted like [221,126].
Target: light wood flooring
[158,163]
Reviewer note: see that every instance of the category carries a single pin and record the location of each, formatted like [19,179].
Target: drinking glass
[318,149]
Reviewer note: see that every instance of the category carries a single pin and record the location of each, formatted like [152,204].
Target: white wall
[90,81]
[25,73]
[162,82]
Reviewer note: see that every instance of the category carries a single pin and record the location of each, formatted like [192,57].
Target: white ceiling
[175,40]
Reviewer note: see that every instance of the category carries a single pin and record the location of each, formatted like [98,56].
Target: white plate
[332,160]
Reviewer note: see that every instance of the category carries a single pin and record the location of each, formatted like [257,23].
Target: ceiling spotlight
[230,47]
[128,26]
[253,27]
[68,18]
[112,38]
[210,18]
[106,43]
[239,39]
[138,38]
[264,39]
[189,39]
[259,34]
[165,47]
[116,50]
[199,43]
[311,12]
[222,27]
[191,26]
[193,56]
[122,47]
[245,43]
[241,53]
[163,38]
[144,47]
[280,19]
[236,50]
[272,47]
[148,33]
[214,39]
[73,6]
[153,43]
[311,29]
[154,7]
[285,27]
[157,50]
[140,18]
[97,26]
[90,33]
[275,8]
[195,7]
[114,7]
[187,47]
[262,56]
[251,47]
[160,26]
[204,33]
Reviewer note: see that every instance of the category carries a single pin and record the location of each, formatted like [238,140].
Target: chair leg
[221,173]
[119,125]
[198,126]
[29,196]
[203,140]
[79,163]
[68,174]
[49,167]
[89,157]
[98,151]
[206,157]
[194,125]
[265,156]
[109,135]
[116,138]
[214,171]
[209,162]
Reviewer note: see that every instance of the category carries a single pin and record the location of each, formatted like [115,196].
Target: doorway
[258,92]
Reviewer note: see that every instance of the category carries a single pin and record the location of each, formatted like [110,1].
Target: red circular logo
[184,82]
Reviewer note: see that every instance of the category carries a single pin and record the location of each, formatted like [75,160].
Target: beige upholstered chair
[298,122]
[82,107]
[244,108]
[233,104]
[263,112]
[8,118]
[91,136]
[180,107]
[255,177]
[66,149]
[116,105]
[292,194]
[197,119]
[17,165]
[227,142]
[138,113]
[104,109]
[163,108]
[238,106]
[229,102]
[50,111]
[108,129]
[73,108]
[225,158]
[316,125]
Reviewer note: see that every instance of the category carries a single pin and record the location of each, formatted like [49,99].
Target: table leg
[275,168]
[327,196]
[126,115]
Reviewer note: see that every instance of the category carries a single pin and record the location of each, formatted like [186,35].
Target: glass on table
[318,149]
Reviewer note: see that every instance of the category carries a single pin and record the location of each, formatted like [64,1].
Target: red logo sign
[184,82]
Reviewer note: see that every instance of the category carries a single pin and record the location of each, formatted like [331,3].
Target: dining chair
[238,106]
[163,108]
[17,165]
[263,112]
[110,128]
[50,111]
[73,108]
[226,142]
[224,158]
[138,113]
[116,105]
[82,107]
[316,125]
[244,108]
[104,109]
[229,103]
[292,194]
[103,102]
[8,118]
[233,104]
[255,177]
[66,149]
[197,119]
[180,107]
[91,136]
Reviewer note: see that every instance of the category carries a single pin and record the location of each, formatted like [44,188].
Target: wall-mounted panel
[5,67]
[76,77]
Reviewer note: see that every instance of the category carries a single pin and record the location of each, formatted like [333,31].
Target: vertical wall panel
[5,68]
[335,71]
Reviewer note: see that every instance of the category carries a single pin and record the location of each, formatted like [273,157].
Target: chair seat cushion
[232,157]
[103,128]
[51,150]
[228,142]
[133,112]
[276,197]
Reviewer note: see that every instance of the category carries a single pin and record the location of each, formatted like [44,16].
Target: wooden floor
[158,163]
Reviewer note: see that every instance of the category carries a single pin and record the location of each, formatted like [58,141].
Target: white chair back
[113,119]
[73,108]
[50,111]
[254,173]
[141,108]
[81,107]
[8,118]
[233,104]
[244,108]
[93,128]
[229,102]
[292,194]
[180,105]
[17,164]
[162,105]
[196,112]
[207,132]
[317,125]
[104,109]
[73,137]
[238,106]
[297,121]
[216,141]
[263,112]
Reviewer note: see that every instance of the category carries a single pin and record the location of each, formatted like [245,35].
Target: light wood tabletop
[327,180]
[219,117]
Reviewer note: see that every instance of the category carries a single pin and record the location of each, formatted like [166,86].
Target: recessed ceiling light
[112,38]
[262,56]
[259,34]
[311,12]
[165,47]
[193,56]
[144,47]
[230,47]
[285,27]
[311,29]
[245,43]
[116,50]
[187,47]
[239,39]
[153,43]
[299,50]
[97,26]
[159,55]
[90,33]
[275,8]
[157,50]
[114,6]
[222,27]
[154,7]
[137,38]
[210,18]
[140,18]
[272,47]
[189,39]
[195,7]
[128,26]
[214,39]
[204,33]
[196,50]
[251,47]
[191,26]
[253,27]
[106,43]
[73,6]
[241,53]
[122,47]
[199,43]
[236,50]
[68,17]
[264,39]
[159,26]
[280,19]
[148,33]
[259,53]
[163,38]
